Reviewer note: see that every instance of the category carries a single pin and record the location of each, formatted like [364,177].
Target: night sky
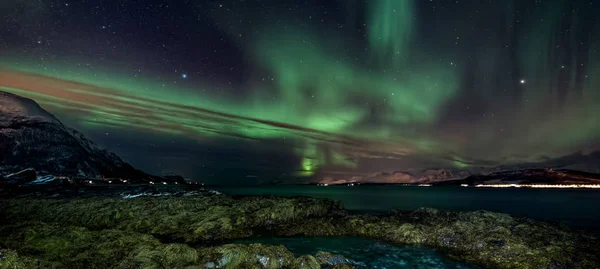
[249,90]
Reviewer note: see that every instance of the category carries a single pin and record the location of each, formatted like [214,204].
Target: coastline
[202,225]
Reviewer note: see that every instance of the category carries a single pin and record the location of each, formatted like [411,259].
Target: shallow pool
[368,253]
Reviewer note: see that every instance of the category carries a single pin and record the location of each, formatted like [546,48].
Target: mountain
[30,137]
[436,175]
[531,176]
[375,178]
[398,177]
[571,168]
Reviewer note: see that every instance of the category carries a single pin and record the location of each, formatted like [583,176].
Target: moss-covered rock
[187,219]
[342,266]
[100,231]
[329,260]
[307,262]
[260,256]
[77,247]
[9,259]
[247,256]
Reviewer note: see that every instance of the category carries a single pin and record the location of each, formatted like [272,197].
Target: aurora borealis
[311,87]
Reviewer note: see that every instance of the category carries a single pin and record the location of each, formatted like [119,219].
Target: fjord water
[573,207]
[366,253]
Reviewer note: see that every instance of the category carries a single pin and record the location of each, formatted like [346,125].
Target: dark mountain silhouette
[30,137]
[531,176]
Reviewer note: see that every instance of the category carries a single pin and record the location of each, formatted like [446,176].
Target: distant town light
[548,186]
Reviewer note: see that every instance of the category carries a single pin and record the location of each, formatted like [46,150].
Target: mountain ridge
[572,164]
[531,176]
[31,137]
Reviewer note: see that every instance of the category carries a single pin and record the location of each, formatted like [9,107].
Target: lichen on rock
[108,232]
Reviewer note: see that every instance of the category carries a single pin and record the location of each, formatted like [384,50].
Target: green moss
[342,266]
[105,232]
[9,259]
[248,256]
[190,219]
[77,247]
[162,256]
[261,256]
[307,262]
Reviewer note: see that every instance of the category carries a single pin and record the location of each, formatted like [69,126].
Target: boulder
[333,260]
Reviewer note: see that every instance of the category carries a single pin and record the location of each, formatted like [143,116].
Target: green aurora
[402,95]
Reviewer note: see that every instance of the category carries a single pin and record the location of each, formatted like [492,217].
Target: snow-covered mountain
[31,137]
[532,176]
[399,177]
[588,163]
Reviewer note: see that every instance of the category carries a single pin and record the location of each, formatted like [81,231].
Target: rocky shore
[196,232]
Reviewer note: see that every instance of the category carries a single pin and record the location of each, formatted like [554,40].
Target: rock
[427,211]
[496,243]
[9,259]
[486,239]
[307,262]
[343,266]
[268,256]
[247,256]
[328,259]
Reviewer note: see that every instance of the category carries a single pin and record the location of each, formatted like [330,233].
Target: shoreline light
[540,186]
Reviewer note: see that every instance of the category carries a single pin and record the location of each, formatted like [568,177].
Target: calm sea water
[574,207]
[366,253]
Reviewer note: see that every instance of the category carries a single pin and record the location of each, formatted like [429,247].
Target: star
[522,81]
[184,76]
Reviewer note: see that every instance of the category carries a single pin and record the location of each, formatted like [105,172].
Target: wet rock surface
[182,231]
[364,253]
[262,256]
